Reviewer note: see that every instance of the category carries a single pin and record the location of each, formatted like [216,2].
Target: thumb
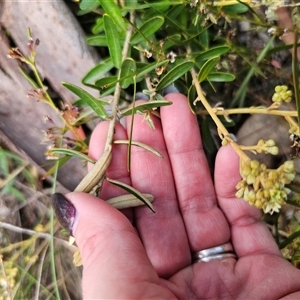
[113,256]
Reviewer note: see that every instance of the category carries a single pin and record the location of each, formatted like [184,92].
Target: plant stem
[249,110]
[221,128]
[229,2]
[52,254]
[50,102]
[295,75]
[115,103]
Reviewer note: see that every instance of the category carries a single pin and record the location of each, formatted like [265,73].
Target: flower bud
[273,150]
[254,164]
[270,143]
[258,204]
[250,179]
[273,175]
[240,193]
[278,89]
[288,166]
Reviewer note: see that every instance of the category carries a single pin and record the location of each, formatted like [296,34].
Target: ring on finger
[218,252]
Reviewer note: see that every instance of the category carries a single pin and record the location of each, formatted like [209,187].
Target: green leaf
[97,40]
[132,191]
[131,3]
[30,80]
[239,8]
[149,67]
[82,103]
[147,29]
[174,74]
[204,39]
[128,71]
[86,4]
[172,40]
[99,26]
[220,77]
[282,48]
[98,71]
[113,10]
[70,152]
[89,99]
[211,53]
[207,67]
[107,82]
[207,139]
[113,40]
[146,106]
[241,92]
[289,239]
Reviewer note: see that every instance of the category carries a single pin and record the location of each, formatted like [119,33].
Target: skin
[136,254]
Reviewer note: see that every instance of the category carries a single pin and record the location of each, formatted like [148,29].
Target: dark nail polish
[65,211]
[141,96]
[169,89]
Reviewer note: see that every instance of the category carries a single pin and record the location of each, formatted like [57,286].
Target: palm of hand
[191,215]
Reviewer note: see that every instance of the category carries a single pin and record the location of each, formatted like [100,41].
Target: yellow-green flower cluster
[282,94]
[265,188]
[267,147]
[7,280]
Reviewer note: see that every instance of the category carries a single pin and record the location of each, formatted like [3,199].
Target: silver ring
[218,252]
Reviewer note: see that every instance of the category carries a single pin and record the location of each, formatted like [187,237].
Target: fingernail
[65,211]
[169,89]
[141,96]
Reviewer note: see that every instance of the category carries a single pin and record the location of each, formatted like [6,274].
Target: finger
[107,242]
[163,233]
[249,234]
[205,224]
[117,169]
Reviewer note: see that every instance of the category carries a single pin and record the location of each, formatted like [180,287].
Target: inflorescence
[265,188]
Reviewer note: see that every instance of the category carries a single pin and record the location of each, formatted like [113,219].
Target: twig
[220,127]
[250,110]
[42,235]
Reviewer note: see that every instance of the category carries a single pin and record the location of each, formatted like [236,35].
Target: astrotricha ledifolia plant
[194,46]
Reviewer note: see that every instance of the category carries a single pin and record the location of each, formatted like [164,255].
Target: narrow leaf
[107,82]
[113,10]
[90,100]
[71,152]
[98,71]
[206,68]
[220,77]
[208,141]
[98,27]
[131,128]
[147,29]
[174,74]
[128,200]
[30,80]
[128,71]
[132,191]
[113,40]
[211,53]
[146,106]
[150,67]
[97,40]
[239,8]
[88,5]
[139,144]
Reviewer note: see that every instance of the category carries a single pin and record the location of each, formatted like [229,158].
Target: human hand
[138,254]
